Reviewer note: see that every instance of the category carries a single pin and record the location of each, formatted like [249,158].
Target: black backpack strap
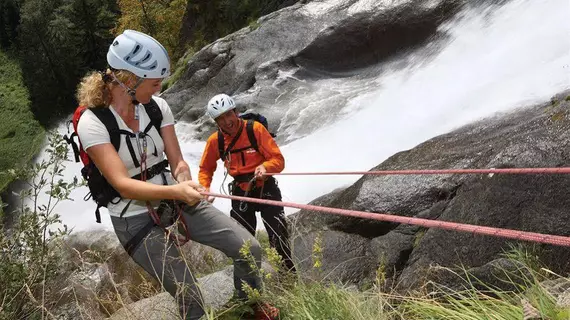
[154,113]
[98,214]
[221,145]
[74,146]
[224,152]
[106,116]
[131,148]
[251,135]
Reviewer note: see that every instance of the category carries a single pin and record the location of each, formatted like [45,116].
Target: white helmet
[219,104]
[140,54]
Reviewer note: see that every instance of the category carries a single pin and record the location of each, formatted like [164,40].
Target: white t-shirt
[92,131]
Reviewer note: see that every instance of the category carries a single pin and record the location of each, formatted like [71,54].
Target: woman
[138,63]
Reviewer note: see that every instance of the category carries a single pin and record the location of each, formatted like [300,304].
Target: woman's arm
[180,169]
[108,162]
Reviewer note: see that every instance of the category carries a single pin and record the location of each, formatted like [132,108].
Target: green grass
[490,302]
[319,301]
[254,24]
[306,299]
[21,136]
[472,304]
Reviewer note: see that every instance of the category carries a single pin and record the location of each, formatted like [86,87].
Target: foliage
[29,259]
[59,42]
[21,136]
[161,19]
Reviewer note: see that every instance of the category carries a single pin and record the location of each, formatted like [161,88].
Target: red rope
[560,170]
[454,226]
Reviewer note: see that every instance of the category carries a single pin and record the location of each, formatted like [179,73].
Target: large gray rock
[160,307]
[393,249]
[343,257]
[532,137]
[217,289]
[535,203]
[268,66]
[502,274]
[79,298]
[102,277]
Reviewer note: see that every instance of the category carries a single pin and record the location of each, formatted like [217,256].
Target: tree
[9,21]
[59,41]
[162,19]
[208,20]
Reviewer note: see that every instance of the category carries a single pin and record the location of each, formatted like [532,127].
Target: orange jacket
[243,162]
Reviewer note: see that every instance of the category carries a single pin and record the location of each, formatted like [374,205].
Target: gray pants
[161,259]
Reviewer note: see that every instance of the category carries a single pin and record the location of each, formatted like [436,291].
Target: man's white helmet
[140,54]
[219,104]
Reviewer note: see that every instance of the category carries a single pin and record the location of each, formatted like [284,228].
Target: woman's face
[147,88]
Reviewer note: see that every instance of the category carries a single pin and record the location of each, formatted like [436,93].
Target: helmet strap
[131,91]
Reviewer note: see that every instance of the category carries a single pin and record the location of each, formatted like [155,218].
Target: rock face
[537,136]
[268,66]
[217,289]
[101,279]
[342,257]
[161,306]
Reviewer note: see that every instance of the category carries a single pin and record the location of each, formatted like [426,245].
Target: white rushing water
[495,59]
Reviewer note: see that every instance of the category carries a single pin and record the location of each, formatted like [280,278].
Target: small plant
[254,24]
[419,235]
[318,252]
[30,259]
[380,279]
[528,255]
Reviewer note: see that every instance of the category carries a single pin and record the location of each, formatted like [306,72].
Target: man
[249,152]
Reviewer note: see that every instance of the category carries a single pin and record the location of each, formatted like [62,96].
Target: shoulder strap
[221,145]
[251,135]
[231,145]
[154,113]
[106,116]
[74,146]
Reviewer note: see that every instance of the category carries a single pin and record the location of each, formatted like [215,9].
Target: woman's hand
[189,192]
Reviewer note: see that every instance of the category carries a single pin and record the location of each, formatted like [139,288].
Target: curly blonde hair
[95,88]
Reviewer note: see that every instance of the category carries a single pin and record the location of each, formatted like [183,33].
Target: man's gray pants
[161,258]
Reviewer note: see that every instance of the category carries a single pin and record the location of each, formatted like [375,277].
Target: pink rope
[475,229]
